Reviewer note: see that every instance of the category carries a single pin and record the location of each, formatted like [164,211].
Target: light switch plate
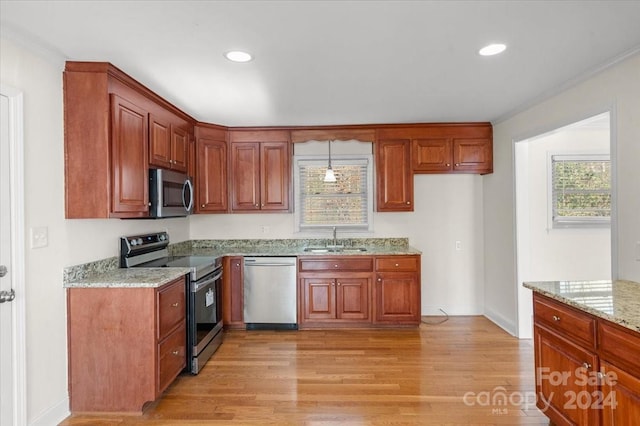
[39,237]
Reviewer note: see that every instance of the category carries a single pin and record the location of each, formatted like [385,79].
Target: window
[580,190]
[345,203]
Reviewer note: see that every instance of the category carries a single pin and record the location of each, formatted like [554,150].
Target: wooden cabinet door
[245,172]
[319,298]
[232,292]
[431,155]
[159,142]
[472,155]
[179,145]
[393,175]
[562,392]
[212,176]
[129,161]
[275,175]
[620,396]
[397,297]
[352,298]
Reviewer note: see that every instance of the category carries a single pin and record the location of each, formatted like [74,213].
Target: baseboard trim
[501,321]
[54,415]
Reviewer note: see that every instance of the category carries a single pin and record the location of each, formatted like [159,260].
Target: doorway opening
[564,208]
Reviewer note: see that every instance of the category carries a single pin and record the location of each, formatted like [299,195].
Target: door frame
[523,296]
[17,265]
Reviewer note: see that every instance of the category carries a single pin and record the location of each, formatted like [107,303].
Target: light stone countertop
[106,272]
[617,301]
[132,277]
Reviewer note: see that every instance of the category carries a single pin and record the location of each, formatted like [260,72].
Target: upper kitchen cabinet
[394,180]
[452,148]
[168,142]
[260,170]
[129,180]
[110,120]
[211,169]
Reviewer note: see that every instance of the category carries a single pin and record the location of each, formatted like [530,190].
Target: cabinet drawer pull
[175,305]
[556,318]
[176,352]
[335,266]
[397,265]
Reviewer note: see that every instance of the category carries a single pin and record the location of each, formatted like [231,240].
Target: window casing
[580,190]
[346,204]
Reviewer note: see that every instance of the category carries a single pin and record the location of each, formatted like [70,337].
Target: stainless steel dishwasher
[270,300]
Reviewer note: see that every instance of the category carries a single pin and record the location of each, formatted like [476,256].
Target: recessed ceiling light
[492,49]
[238,56]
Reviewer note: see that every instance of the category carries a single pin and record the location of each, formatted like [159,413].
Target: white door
[6,339]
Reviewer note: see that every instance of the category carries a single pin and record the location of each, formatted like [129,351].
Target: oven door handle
[198,286]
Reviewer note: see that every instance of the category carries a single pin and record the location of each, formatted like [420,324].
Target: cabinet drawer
[564,320]
[353,263]
[397,263]
[171,357]
[619,346]
[171,307]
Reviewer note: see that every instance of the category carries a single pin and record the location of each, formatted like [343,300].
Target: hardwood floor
[455,373]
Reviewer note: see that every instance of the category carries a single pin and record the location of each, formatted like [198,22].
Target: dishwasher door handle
[269,264]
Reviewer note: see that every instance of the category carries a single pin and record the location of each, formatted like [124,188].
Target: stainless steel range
[204,290]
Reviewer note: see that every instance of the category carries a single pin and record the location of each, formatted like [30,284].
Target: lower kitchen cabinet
[126,345]
[397,290]
[232,292]
[334,291]
[587,368]
[336,298]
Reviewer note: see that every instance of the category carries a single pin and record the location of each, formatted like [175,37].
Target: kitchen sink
[334,249]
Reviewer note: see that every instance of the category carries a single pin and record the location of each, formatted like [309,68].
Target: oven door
[205,311]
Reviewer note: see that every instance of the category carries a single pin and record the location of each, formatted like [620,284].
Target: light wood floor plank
[354,377]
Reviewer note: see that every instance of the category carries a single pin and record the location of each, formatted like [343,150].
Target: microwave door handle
[184,202]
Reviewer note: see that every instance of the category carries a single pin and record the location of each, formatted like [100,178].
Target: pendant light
[329,176]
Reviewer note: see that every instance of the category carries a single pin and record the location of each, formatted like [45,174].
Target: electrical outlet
[39,237]
[458,245]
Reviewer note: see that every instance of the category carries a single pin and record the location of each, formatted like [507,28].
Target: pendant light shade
[329,175]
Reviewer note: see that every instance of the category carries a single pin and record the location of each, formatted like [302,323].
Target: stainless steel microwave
[170,194]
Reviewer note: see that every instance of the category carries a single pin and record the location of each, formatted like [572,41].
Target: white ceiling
[337,62]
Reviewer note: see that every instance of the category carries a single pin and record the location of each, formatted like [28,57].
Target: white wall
[617,88]
[563,253]
[447,208]
[71,242]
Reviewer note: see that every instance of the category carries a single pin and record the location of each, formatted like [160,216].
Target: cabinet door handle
[338,283]
[333,283]
[586,365]
[408,202]
[202,206]
[257,205]
[176,352]
[175,305]
[448,164]
[556,318]
[457,164]
[379,279]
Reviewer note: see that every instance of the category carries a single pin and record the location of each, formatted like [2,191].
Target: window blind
[581,189]
[340,203]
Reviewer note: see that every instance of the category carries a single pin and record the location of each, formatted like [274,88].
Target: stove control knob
[163,237]
[139,241]
[133,242]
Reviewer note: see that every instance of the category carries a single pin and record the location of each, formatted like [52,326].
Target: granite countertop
[617,301]
[106,272]
[133,277]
